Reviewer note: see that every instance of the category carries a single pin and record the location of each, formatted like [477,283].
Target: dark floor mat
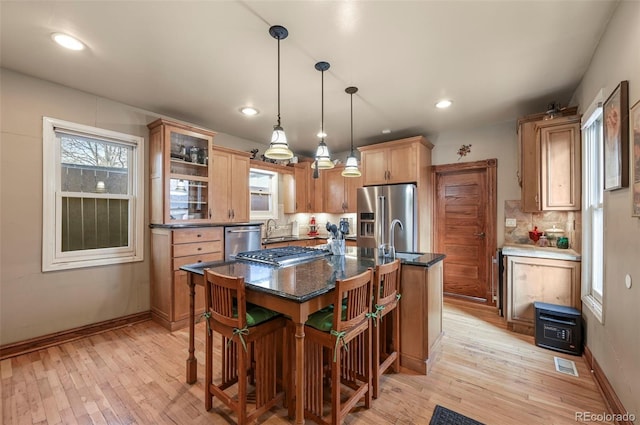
[444,416]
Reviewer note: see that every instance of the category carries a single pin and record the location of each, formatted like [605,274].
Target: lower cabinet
[170,250]
[420,316]
[532,279]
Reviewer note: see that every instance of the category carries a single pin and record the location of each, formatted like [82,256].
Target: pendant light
[351,166]
[278,149]
[323,159]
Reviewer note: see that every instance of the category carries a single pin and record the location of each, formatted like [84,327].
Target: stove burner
[283,256]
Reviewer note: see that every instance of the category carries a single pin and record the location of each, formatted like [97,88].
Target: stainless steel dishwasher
[240,239]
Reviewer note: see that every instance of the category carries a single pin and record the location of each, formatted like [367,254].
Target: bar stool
[249,347]
[346,339]
[386,334]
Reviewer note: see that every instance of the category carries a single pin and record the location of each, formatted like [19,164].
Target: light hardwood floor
[135,375]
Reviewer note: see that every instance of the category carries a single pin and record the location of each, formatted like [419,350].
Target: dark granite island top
[303,281]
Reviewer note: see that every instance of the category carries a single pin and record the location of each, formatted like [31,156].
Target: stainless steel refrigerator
[378,207]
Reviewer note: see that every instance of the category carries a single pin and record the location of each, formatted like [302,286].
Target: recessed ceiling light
[67,41]
[321,134]
[249,111]
[386,131]
[443,104]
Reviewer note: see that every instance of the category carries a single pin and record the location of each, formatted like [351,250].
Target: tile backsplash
[569,221]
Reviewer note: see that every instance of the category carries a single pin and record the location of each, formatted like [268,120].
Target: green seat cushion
[323,320]
[256,314]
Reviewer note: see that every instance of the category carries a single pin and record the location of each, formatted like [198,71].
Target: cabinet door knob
[199,235]
[480,234]
[199,248]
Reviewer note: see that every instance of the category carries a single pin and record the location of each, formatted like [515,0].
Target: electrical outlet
[510,222]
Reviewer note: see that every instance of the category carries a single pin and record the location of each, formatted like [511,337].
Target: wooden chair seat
[338,351]
[251,339]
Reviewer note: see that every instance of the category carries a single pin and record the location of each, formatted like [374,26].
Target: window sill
[594,306]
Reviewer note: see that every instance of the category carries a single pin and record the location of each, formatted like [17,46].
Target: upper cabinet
[230,193]
[180,173]
[340,193]
[308,190]
[550,163]
[393,162]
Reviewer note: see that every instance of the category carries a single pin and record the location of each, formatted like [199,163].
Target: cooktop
[282,256]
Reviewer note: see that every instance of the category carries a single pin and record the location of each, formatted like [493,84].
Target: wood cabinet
[532,279]
[392,162]
[420,316]
[308,195]
[230,193]
[550,163]
[180,173]
[340,193]
[170,250]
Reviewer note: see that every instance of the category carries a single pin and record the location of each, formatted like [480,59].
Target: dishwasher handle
[244,231]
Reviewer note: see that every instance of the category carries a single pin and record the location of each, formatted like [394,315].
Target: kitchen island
[304,288]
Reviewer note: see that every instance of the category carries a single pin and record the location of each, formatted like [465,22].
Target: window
[93,196]
[263,190]
[592,213]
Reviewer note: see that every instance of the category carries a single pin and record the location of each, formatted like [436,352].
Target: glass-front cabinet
[180,173]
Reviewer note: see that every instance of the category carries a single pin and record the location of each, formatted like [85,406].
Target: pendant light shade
[323,159]
[278,148]
[351,166]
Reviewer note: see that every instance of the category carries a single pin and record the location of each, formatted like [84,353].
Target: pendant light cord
[278,82]
[351,94]
[322,104]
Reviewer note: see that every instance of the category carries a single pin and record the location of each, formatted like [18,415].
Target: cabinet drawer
[197,235]
[192,259]
[185,249]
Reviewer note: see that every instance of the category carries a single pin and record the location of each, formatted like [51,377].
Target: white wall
[33,303]
[616,343]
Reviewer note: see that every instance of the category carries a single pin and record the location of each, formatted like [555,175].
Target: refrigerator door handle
[383,219]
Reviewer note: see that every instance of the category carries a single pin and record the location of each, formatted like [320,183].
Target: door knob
[480,235]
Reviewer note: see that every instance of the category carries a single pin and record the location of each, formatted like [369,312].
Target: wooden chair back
[387,283]
[357,291]
[223,294]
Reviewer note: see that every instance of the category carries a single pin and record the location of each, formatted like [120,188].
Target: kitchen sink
[277,239]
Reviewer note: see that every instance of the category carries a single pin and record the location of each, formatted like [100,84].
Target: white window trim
[255,215]
[593,304]
[52,256]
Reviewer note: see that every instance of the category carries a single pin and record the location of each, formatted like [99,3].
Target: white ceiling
[201,61]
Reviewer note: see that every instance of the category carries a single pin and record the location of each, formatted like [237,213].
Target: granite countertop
[303,281]
[522,250]
[192,225]
[289,238]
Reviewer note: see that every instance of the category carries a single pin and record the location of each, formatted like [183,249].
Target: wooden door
[465,227]
[374,166]
[351,196]
[239,189]
[334,191]
[403,164]
[302,171]
[561,168]
[221,164]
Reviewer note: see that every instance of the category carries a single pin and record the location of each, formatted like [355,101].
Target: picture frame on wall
[635,143]
[616,138]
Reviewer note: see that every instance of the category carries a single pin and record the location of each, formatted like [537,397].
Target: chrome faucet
[270,229]
[392,227]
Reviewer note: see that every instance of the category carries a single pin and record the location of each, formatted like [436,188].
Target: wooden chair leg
[396,339]
[208,379]
[242,385]
[376,358]
[368,368]
[335,389]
